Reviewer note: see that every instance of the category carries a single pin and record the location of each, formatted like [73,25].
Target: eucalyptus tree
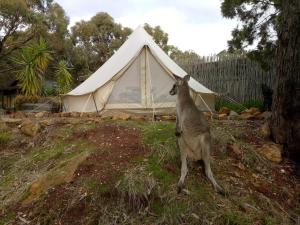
[273,27]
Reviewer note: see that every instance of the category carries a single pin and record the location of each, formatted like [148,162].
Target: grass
[146,192]
[5,138]
[8,219]
[235,218]
[21,169]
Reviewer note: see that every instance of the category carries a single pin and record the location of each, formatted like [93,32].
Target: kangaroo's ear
[187,78]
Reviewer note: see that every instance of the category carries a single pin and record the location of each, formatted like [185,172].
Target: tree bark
[286,102]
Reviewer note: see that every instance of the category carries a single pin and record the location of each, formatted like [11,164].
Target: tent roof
[128,51]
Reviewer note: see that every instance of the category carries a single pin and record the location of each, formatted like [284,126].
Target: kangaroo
[192,131]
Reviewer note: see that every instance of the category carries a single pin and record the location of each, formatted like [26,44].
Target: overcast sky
[191,24]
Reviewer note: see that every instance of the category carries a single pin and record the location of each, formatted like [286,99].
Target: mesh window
[128,87]
[161,82]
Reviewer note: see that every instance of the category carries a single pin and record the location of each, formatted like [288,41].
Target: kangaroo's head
[179,84]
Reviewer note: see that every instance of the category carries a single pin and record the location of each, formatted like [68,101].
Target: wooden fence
[235,76]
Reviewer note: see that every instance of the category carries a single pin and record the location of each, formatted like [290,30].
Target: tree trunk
[286,102]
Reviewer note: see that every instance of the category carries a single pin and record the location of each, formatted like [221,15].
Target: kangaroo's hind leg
[205,146]
[184,168]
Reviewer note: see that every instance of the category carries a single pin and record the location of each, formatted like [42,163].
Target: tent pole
[211,114]
[148,72]
[95,103]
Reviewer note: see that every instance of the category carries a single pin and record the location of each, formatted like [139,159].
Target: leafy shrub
[239,107]
[49,92]
[254,103]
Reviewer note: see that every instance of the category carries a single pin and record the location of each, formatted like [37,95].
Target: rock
[235,148]
[272,152]
[265,115]
[207,115]
[11,121]
[46,122]
[65,114]
[247,116]
[41,114]
[252,110]
[75,114]
[233,115]
[30,127]
[265,130]
[222,116]
[224,110]
[121,116]
[256,115]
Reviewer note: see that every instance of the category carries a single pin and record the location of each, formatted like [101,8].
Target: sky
[191,24]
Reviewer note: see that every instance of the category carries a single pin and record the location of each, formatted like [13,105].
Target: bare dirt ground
[130,174]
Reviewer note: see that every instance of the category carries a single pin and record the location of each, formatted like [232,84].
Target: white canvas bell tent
[137,77]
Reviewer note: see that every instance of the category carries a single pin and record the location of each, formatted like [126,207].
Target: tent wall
[127,88]
[81,103]
[144,84]
[209,100]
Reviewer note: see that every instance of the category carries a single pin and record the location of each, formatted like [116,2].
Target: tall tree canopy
[275,26]
[259,27]
[159,36]
[96,40]
[19,22]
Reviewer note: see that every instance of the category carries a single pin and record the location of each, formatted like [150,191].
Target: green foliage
[179,55]
[160,37]
[259,24]
[33,61]
[7,219]
[49,91]
[19,22]
[95,41]
[239,107]
[254,103]
[64,78]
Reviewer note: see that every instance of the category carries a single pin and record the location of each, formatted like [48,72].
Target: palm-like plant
[64,78]
[33,62]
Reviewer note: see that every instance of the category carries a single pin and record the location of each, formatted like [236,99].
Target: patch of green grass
[268,220]
[8,218]
[5,138]
[235,218]
[60,151]
[157,207]
[7,179]
[95,187]
[159,172]
[250,160]
[174,212]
